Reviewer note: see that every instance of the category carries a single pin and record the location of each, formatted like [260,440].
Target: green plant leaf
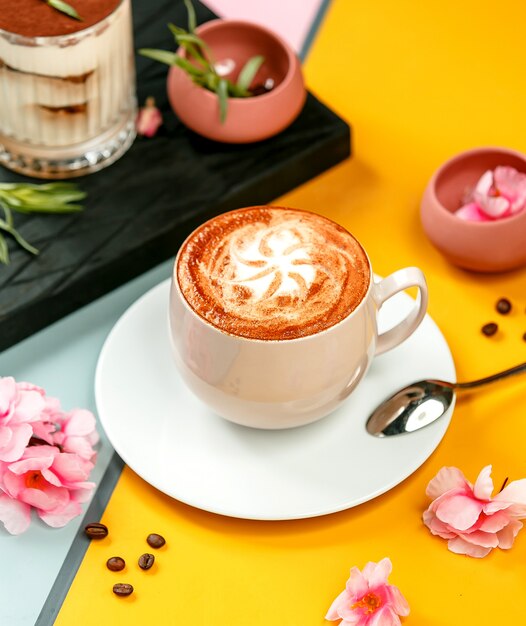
[163,56]
[32,198]
[4,252]
[222,95]
[192,20]
[64,7]
[250,69]
[18,237]
[184,64]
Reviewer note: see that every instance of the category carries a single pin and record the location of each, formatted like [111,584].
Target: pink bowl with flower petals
[247,119]
[492,246]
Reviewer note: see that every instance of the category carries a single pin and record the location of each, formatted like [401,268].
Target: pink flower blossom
[472,213]
[149,119]
[469,517]
[21,406]
[53,482]
[499,193]
[77,433]
[368,599]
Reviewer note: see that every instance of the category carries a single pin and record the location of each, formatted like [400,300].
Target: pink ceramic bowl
[248,119]
[480,246]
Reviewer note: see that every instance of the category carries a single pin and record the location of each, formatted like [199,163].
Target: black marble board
[139,210]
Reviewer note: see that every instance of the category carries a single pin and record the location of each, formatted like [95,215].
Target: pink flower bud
[149,119]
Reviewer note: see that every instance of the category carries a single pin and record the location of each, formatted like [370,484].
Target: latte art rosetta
[271,273]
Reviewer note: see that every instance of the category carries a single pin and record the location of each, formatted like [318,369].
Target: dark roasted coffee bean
[146,560]
[116,564]
[155,540]
[95,530]
[122,589]
[503,306]
[489,329]
[524,337]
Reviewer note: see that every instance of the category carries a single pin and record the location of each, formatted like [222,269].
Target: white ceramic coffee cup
[285,383]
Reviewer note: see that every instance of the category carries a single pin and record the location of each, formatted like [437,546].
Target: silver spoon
[422,403]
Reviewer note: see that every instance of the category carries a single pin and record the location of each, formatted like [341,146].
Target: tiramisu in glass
[67,86]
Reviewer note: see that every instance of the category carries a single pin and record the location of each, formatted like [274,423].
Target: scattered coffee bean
[122,589]
[503,306]
[95,530]
[115,564]
[155,541]
[146,560]
[524,337]
[489,329]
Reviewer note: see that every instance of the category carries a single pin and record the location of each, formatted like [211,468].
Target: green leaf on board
[33,198]
[4,252]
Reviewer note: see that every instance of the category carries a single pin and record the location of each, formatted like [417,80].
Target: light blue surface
[61,359]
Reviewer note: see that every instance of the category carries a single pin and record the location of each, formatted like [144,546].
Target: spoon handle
[494,377]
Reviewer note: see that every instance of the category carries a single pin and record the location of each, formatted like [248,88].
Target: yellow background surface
[418,82]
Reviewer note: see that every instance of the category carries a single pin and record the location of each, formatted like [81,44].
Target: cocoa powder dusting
[34,18]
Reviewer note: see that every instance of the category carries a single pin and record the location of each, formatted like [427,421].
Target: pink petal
[460,511]
[34,463]
[29,406]
[13,484]
[60,518]
[7,395]
[446,479]
[334,613]
[71,468]
[20,435]
[15,515]
[83,493]
[398,602]
[378,572]
[511,184]
[459,546]
[6,434]
[79,423]
[436,526]
[480,538]
[484,184]
[490,508]
[44,431]
[495,522]
[514,493]
[149,119]
[51,477]
[80,446]
[471,212]
[46,499]
[483,487]
[356,585]
[507,535]
[385,616]
[496,207]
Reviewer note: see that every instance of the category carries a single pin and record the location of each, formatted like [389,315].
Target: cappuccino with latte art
[270,273]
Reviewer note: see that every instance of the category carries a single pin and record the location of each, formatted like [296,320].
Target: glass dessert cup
[67,102]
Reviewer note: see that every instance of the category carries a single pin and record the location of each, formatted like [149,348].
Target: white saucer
[180,447]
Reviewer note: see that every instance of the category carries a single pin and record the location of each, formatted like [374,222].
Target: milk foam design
[275,262]
[270,273]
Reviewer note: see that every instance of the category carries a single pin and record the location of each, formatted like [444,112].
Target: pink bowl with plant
[247,119]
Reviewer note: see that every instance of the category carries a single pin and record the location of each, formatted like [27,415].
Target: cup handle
[388,287]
